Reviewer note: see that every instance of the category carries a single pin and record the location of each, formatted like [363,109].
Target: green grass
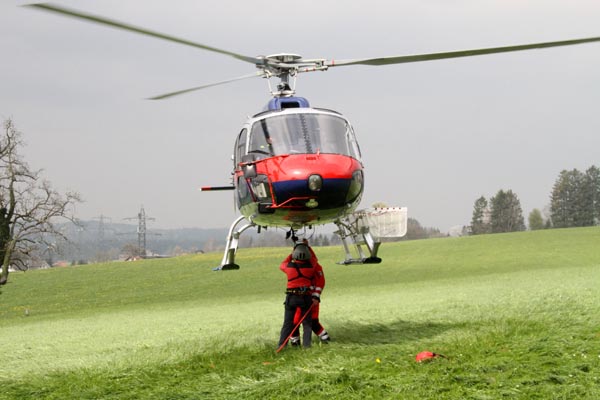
[517,315]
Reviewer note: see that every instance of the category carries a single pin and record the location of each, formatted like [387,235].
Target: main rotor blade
[171,94]
[121,25]
[455,54]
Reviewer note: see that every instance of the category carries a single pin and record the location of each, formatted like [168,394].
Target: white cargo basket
[389,222]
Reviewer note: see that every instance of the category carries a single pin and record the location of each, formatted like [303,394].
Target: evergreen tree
[591,183]
[575,198]
[506,212]
[566,201]
[414,230]
[560,201]
[480,220]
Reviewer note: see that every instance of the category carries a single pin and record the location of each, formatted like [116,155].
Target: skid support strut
[367,228]
[359,236]
[228,262]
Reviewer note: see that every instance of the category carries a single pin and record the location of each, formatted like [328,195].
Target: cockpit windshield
[303,133]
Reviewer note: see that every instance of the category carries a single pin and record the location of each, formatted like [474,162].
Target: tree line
[574,202]
[502,213]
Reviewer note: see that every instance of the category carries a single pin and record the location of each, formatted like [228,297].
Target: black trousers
[292,303]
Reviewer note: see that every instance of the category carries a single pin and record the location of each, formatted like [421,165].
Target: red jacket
[319,279]
[308,274]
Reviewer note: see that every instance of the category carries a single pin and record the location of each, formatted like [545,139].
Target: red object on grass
[427,355]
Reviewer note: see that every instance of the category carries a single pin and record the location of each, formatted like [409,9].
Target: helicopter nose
[331,183]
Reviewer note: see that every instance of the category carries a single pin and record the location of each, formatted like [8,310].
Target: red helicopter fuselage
[297,166]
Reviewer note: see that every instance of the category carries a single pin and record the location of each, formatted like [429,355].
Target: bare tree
[131,251]
[29,206]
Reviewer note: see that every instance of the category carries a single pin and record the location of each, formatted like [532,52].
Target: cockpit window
[303,134]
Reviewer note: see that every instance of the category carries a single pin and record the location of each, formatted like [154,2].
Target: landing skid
[228,262]
[362,229]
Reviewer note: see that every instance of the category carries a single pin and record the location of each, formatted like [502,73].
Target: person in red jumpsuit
[300,297]
[318,285]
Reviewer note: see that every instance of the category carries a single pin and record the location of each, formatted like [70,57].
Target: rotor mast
[284,66]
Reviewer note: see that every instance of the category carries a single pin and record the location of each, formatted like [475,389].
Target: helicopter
[296,166]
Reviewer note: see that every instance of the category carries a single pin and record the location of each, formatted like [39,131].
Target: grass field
[517,315]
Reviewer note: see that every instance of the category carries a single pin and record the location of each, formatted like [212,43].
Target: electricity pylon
[141,230]
[101,231]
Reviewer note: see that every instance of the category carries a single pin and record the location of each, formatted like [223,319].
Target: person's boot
[295,341]
[324,336]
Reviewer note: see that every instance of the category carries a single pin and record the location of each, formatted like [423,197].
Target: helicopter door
[240,148]
[239,151]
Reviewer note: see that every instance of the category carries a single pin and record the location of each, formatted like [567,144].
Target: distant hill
[95,241]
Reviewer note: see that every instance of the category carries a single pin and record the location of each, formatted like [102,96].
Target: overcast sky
[434,136]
